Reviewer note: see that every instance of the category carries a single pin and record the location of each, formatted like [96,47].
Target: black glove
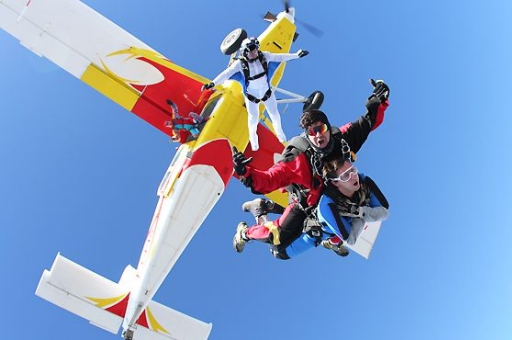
[207,86]
[302,53]
[372,104]
[239,162]
[380,89]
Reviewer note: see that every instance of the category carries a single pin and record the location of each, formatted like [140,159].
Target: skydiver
[182,127]
[300,170]
[254,70]
[348,200]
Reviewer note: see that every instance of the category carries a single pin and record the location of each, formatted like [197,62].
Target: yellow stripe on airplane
[111,86]
[105,302]
[155,326]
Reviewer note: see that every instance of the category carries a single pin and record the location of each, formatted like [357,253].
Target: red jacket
[282,174]
[298,169]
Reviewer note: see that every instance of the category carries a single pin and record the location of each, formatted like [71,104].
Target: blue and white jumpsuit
[372,212]
[258,88]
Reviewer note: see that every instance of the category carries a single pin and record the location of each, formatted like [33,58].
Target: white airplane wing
[103,303]
[103,55]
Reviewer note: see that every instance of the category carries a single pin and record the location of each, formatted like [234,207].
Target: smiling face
[319,134]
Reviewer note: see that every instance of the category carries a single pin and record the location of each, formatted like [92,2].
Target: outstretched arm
[356,133]
[227,73]
[281,57]
[278,176]
[374,214]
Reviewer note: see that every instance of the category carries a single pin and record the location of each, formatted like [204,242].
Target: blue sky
[79,175]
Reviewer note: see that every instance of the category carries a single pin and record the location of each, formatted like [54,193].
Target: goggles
[345,175]
[312,131]
[251,47]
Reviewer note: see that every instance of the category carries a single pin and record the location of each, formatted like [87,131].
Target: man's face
[251,55]
[348,180]
[319,134]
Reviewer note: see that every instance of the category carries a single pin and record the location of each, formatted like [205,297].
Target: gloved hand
[380,89]
[302,53]
[207,86]
[239,162]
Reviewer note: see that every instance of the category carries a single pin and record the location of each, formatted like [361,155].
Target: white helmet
[249,45]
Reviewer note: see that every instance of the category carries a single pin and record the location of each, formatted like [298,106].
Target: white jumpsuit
[258,88]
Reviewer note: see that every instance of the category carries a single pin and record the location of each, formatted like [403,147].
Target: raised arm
[356,133]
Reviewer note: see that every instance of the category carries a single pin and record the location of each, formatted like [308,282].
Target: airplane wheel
[128,335]
[314,101]
[233,41]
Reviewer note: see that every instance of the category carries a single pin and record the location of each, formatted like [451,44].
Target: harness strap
[259,75]
[246,71]
[313,228]
[338,220]
[262,99]
[375,189]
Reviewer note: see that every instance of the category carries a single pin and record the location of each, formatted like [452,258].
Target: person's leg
[275,117]
[260,207]
[281,232]
[252,123]
[300,245]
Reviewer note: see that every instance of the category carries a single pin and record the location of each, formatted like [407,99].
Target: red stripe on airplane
[143,321]
[120,307]
[216,153]
[184,91]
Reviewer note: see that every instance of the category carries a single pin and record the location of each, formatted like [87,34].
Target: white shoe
[255,146]
[281,137]
[239,240]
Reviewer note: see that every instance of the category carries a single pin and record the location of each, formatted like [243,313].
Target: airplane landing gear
[314,101]
[128,334]
[233,41]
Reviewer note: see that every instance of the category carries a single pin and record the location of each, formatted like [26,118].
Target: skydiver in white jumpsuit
[253,70]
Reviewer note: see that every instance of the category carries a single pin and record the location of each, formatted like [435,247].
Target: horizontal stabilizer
[163,323]
[83,292]
[103,303]
[365,241]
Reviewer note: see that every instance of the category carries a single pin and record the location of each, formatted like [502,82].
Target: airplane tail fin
[103,303]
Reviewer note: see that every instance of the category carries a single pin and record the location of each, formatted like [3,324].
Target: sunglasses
[312,131]
[345,175]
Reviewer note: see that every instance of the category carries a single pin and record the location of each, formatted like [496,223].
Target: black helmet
[310,117]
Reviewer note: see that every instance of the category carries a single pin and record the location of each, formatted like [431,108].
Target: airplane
[144,82]
[149,85]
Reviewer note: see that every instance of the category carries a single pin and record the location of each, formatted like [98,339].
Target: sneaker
[338,249]
[274,208]
[256,207]
[341,250]
[240,239]
[259,206]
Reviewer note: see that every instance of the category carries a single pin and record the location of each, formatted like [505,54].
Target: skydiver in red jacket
[300,171]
